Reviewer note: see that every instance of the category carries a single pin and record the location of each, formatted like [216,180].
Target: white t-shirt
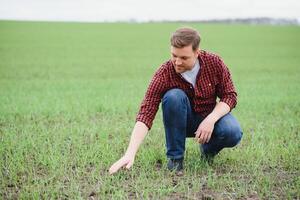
[191,75]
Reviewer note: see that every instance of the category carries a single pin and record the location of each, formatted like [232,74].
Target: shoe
[175,164]
[208,158]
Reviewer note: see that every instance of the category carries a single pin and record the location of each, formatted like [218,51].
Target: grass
[69,93]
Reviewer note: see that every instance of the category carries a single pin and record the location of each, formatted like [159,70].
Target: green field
[69,94]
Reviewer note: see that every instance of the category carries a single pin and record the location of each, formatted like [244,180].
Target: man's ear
[198,52]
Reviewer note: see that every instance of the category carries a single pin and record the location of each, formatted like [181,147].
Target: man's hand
[126,162]
[139,132]
[205,129]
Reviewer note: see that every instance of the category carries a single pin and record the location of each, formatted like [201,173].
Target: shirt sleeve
[226,91]
[152,99]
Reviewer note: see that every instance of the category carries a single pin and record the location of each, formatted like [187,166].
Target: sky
[150,10]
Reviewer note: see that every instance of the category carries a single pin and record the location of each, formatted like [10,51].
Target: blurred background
[254,11]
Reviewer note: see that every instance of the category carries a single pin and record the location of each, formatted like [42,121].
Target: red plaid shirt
[213,80]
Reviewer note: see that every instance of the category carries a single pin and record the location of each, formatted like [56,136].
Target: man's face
[184,58]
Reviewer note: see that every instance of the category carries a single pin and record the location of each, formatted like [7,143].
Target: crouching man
[188,86]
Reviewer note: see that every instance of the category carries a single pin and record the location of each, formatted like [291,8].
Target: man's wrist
[130,154]
[214,118]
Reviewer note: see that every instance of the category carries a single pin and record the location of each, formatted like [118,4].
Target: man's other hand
[205,129]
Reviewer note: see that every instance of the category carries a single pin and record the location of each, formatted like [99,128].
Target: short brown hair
[185,36]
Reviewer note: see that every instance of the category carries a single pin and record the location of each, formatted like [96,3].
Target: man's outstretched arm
[139,132]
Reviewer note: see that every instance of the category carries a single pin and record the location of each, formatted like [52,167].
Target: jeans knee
[229,131]
[174,98]
[235,136]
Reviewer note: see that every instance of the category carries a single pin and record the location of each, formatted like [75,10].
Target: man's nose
[178,61]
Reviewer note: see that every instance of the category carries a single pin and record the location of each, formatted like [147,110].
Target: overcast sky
[141,10]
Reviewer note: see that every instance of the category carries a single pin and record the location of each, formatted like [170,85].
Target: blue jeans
[181,121]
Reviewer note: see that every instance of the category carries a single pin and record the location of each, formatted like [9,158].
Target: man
[188,86]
